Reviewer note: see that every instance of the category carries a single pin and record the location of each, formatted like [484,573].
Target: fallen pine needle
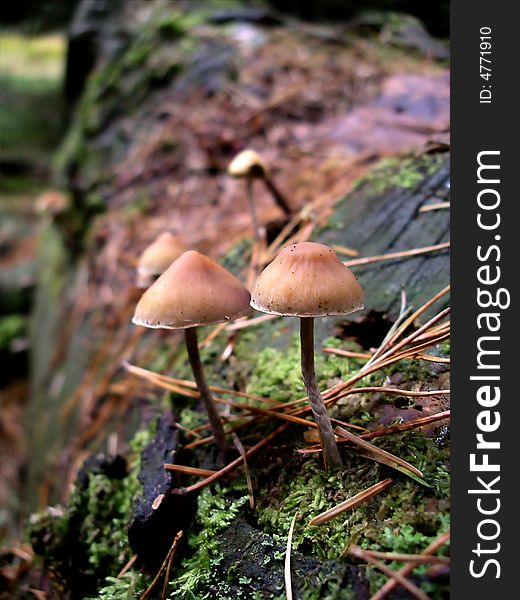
[407,569]
[212,335]
[188,470]
[345,250]
[371,449]
[392,255]
[287,570]
[411,558]
[434,359]
[434,206]
[160,380]
[167,560]
[346,353]
[128,566]
[408,425]
[242,452]
[395,575]
[386,430]
[231,465]
[418,312]
[242,324]
[351,502]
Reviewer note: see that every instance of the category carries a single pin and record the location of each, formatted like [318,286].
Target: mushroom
[249,165]
[194,291]
[52,203]
[157,257]
[308,280]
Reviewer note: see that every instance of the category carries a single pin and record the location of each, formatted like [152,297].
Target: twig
[351,502]
[287,570]
[392,255]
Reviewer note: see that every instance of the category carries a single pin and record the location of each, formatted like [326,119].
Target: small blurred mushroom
[249,165]
[308,280]
[194,291]
[51,203]
[157,257]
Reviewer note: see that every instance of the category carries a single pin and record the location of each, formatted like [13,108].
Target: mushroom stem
[252,207]
[277,195]
[196,366]
[328,441]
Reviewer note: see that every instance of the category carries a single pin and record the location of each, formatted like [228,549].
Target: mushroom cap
[307,279]
[51,202]
[158,256]
[192,291]
[248,163]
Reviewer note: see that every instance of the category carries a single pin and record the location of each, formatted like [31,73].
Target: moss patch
[86,541]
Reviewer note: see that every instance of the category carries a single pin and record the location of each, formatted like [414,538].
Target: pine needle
[167,560]
[395,575]
[434,206]
[393,255]
[371,449]
[188,470]
[242,452]
[351,503]
[287,570]
[407,569]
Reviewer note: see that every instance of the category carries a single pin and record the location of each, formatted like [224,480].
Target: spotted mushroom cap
[248,163]
[193,291]
[307,279]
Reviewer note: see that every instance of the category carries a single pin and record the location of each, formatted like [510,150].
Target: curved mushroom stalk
[277,195]
[192,346]
[331,455]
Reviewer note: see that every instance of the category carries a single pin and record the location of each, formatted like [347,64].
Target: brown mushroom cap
[307,279]
[193,291]
[51,202]
[160,254]
[248,163]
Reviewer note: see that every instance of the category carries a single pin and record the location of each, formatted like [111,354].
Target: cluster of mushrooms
[305,280]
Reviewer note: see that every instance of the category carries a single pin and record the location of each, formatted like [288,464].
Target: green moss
[216,509]
[277,373]
[127,587]
[400,172]
[412,513]
[86,541]
[11,327]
